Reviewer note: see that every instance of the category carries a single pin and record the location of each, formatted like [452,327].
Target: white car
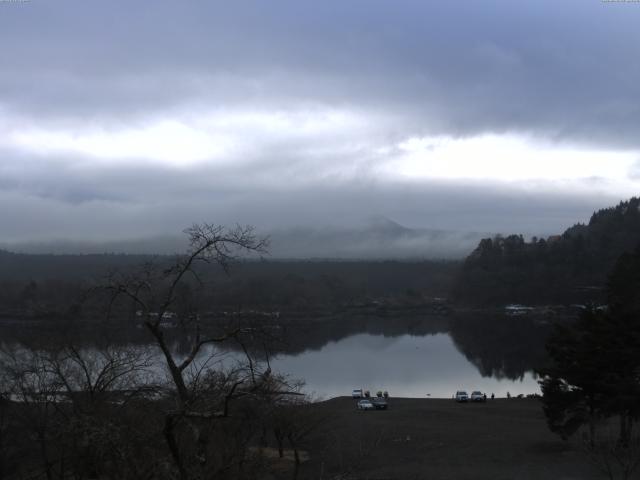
[461,396]
[365,404]
[478,397]
[357,394]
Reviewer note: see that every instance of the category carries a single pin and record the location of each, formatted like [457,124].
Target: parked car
[478,397]
[461,396]
[365,404]
[379,403]
[357,393]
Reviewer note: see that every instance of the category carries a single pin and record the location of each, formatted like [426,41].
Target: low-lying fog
[378,238]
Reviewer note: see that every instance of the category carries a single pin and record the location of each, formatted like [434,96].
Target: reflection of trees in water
[291,336]
[501,346]
[306,335]
[315,336]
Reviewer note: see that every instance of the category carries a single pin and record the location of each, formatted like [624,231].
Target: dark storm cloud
[560,69]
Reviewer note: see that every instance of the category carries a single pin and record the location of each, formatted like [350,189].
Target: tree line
[567,268]
[49,285]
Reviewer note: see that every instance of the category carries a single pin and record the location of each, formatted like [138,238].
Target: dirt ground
[440,439]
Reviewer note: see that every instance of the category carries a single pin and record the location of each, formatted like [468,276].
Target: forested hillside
[568,268]
[45,283]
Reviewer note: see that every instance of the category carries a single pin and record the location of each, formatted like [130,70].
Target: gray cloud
[560,72]
[563,70]
[172,202]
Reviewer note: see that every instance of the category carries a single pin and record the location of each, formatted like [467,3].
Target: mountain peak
[380,222]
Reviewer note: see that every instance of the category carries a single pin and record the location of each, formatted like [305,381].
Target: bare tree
[153,292]
[203,394]
[103,412]
[616,459]
[28,382]
[73,404]
[4,427]
[90,377]
[293,421]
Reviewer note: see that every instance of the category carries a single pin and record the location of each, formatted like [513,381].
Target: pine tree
[595,363]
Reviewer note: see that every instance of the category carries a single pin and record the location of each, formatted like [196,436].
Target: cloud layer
[121,119]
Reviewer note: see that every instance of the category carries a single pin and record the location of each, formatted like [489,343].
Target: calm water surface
[405,365]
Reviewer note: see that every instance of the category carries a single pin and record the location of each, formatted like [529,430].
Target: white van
[461,396]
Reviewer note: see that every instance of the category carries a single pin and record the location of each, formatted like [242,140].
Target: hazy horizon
[377,238]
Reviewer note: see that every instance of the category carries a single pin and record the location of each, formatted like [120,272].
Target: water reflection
[501,346]
[405,365]
[410,355]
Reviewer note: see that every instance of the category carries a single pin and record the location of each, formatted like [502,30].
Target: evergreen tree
[595,368]
[572,386]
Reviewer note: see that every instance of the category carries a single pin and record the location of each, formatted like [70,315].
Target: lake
[408,357]
[404,365]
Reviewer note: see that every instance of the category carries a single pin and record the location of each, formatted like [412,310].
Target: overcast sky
[123,119]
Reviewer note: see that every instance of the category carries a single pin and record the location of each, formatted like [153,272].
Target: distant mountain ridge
[379,238]
[571,267]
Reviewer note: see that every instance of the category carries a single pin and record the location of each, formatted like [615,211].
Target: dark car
[365,405]
[380,403]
